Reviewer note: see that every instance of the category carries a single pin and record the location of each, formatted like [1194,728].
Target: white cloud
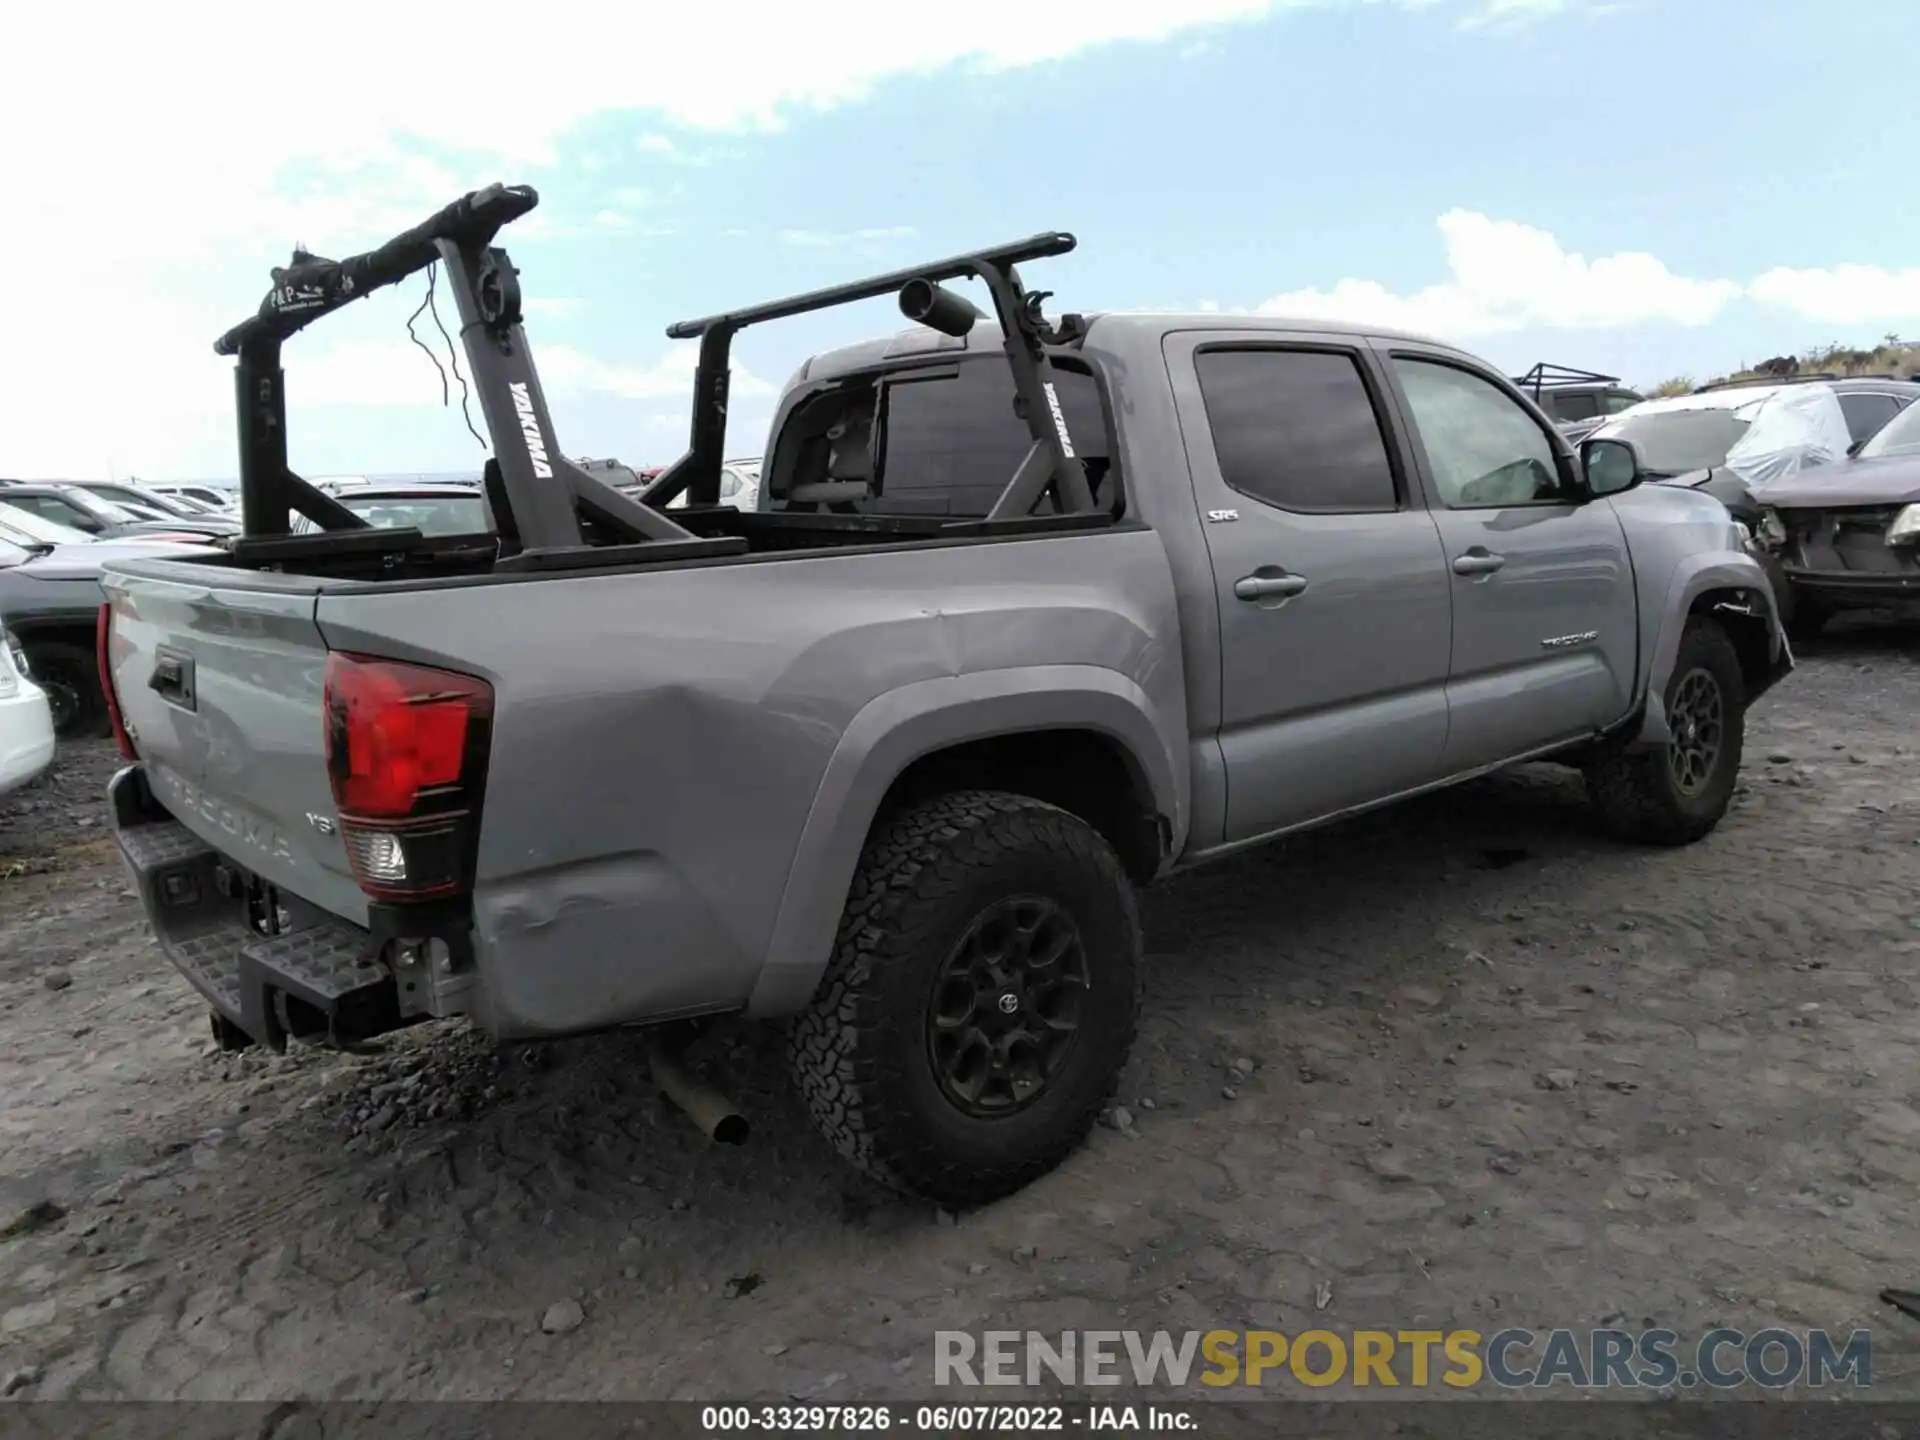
[833,239]
[395,372]
[256,126]
[1844,294]
[373,374]
[382,373]
[197,170]
[564,369]
[656,146]
[164,413]
[1507,276]
[1513,14]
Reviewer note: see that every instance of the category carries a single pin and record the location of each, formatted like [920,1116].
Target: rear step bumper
[321,977]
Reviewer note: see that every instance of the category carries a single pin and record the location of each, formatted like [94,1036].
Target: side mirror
[1609,467]
[1854,448]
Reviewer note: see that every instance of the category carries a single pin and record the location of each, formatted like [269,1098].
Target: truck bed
[662,738]
[753,533]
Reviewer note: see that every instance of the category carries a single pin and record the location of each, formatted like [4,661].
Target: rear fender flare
[1693,577]
[897,728]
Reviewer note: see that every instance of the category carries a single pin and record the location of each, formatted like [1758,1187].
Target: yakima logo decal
[1059,421]
[530,427]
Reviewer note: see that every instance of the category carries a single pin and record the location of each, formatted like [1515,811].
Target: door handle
[1268,587]
[1477,562]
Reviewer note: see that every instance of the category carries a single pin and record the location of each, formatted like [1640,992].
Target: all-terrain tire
[1636,792]
[71,678]
[862,1053]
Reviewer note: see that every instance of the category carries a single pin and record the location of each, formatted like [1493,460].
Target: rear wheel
[71,678]
[981,999]
[1675,793]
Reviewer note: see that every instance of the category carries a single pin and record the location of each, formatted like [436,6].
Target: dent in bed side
[895,729]
[1692,577]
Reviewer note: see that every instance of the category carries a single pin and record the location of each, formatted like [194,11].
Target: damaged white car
[1729,442]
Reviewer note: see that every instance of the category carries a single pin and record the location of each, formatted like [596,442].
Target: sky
[1648,188]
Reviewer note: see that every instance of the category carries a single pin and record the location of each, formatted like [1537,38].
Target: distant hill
[1892,356]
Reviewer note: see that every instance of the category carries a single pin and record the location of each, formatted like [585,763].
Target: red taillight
[396,731]
[406,753]
[103,653]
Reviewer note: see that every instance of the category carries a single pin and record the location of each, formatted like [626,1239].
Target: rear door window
[1297,429]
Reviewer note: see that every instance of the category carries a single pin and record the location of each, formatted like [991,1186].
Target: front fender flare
[1693,577]
[892,731]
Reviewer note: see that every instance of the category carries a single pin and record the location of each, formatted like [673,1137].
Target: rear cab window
[1573,405]
[938,441]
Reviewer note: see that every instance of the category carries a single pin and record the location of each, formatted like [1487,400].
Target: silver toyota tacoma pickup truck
[1030,613]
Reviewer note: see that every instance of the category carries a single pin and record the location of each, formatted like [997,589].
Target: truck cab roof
[915,342]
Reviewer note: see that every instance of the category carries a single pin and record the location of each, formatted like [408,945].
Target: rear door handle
[1268,587]
[1477,562]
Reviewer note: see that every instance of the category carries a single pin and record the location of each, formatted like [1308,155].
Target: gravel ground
[1458,1064]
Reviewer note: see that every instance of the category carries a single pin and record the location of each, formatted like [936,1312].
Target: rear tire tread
[912,863]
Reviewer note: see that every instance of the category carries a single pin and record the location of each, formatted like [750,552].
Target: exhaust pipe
[706,1107]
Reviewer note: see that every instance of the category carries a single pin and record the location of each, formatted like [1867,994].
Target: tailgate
[219,681]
